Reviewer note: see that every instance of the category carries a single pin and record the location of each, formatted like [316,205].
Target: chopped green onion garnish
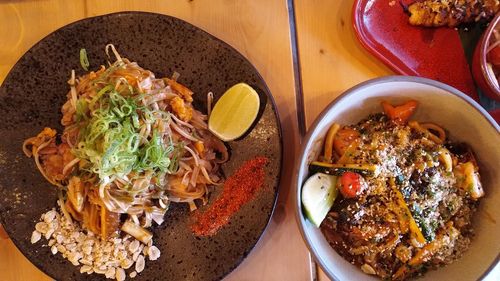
[110,136]
[84,60]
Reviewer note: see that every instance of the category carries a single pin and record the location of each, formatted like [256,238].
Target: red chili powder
[238,190]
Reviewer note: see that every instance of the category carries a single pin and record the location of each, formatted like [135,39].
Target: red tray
[382,28]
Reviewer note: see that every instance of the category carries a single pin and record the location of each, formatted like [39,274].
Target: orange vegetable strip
[343,139]
[401,113]
[414,229]
[329,141]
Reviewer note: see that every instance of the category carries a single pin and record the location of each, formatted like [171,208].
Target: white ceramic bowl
[465,120]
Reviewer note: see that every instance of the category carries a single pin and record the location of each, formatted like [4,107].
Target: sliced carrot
[400,113]
[343,139]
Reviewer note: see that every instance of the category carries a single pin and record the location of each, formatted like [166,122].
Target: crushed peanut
[83,248]
[35,237]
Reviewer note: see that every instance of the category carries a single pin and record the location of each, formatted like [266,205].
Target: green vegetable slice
[368,170]
[318,194]
[84,60]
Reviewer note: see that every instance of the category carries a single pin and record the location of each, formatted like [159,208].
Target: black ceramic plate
[35,89]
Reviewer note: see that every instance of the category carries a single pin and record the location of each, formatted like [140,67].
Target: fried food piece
[451,13]
[185,112]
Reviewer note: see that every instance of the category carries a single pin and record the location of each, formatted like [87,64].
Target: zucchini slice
[368,170]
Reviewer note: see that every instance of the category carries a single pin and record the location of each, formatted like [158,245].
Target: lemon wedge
[234,112]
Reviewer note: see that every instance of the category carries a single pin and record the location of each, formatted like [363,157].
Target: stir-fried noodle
[131,144]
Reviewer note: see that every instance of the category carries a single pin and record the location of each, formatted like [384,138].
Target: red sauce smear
[238,190]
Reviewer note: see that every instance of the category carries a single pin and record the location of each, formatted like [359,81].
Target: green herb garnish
[112,138]
[84,60]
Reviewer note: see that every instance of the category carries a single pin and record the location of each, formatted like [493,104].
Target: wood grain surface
[331,59]
[258,29]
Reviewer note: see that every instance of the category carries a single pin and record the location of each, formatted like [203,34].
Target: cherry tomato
[350,184]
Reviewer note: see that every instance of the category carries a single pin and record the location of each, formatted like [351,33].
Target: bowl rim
[299,217]
[484,44]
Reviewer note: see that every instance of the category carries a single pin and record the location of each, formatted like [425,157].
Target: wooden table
[331,61]
[260,31]
[257,29]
